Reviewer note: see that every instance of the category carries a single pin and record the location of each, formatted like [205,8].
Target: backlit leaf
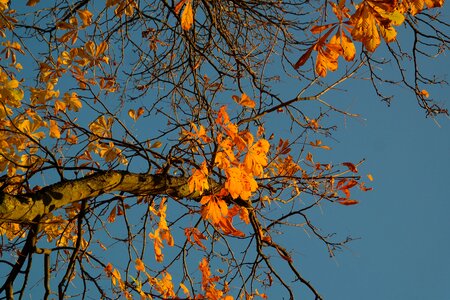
[187,17]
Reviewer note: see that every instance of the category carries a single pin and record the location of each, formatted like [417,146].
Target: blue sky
[403,224]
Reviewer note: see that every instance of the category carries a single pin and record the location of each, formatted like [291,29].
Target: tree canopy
[153,129]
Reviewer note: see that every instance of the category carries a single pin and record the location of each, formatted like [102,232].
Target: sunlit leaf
[187,16]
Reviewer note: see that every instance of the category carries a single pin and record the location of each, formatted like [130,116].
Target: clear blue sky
[403,223]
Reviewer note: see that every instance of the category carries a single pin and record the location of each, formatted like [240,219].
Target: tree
[151,129]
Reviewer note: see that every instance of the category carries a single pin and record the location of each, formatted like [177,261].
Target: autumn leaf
[198,134]
[222,116]
[139,265]
[373,18]
[32,2]
[213,208]
[256,157]
[85,16]
[72,101]
[162,233]
[239,183]
[304,58]
[30,129]
[112,215]
[416,6]
[101,127]
[207,278]
[180,5]
[135,115]
[318,144]
[198,182]
[54,130]
[244,100]
[350,166]
[345,201]
[424,93]
[72,30]
[197,235]
[187,17]
[184,289]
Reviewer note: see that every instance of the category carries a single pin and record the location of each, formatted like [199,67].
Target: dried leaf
[351,167]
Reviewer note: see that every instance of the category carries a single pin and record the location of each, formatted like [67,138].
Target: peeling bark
[31,207]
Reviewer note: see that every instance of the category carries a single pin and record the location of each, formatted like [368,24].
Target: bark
[31,207]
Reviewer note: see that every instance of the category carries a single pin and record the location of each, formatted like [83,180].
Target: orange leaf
[244,100]
[348,202]
[198,182]
[187,17]
[318,29]
[112,215]
[425,93]
[139,265]
[198,236]
[213,208]
[184,289]
[178,7]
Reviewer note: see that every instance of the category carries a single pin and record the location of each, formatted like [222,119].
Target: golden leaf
[54,130]
[184,289]
[198,182]
[139,265]
[187,17]
[244,100]
[85,16]
[102,127]
[213,208]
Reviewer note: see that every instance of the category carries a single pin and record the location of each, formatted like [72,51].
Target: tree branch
[28,207]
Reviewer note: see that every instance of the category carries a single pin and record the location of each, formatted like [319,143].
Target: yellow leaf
[12,84]
[185,290]
[396,17]
[156,144]
[102,127]
[54,130]
[187,17]
[370,177]
[72,101]
[132,114]
[85,16]
[348,47]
